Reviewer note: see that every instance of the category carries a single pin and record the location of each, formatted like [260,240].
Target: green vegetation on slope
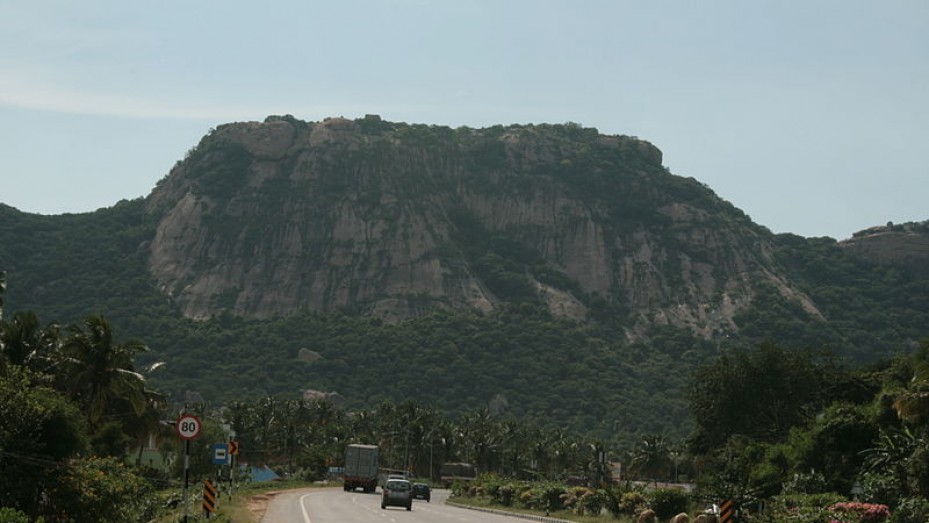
[518,359]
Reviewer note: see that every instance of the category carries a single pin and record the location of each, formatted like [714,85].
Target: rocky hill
[395,221]
[543,272]
[903,245]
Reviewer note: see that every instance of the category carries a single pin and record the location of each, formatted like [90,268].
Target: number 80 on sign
[188,426]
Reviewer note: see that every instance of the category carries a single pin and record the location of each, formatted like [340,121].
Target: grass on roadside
[561,514]
[238,508]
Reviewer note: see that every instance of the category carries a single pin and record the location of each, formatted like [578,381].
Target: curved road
[333,505]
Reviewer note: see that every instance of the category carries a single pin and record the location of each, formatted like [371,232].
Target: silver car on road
[398,493]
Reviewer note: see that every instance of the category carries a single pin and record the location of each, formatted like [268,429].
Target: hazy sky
[811,116]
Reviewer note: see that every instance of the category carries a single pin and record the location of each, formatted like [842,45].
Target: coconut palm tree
[515,439]
[651,457]
[25,343]
[481,436]
[98,370]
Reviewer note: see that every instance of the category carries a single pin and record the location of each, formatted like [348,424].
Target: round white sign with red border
[188,426]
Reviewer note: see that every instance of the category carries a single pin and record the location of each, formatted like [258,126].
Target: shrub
[490,485]
[803,483]
[668,503]
[546,496]
[551,497]
[505,493]
[11,515]
[911,510]
[570,497]
[631,503]
[592,502]
[100,489]
[881,488]
[801,508]
[854,511]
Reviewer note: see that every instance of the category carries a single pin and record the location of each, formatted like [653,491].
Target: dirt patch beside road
[258,504]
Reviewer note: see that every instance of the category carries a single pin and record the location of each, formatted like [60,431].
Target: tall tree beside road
[480,437]
[40,429]
[100,371]
[759,393]
[651,458]
[25,343]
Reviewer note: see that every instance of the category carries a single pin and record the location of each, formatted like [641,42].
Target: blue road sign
[220,454]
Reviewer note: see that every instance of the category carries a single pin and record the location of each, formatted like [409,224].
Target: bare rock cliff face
[396,220]
[905,245]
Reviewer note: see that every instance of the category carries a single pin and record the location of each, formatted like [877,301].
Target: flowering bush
[854,511]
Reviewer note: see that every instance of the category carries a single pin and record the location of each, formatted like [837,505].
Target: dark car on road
[397,493]
[422,491]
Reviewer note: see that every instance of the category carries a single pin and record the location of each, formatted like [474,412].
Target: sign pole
[188,427]
[233,462]
[186,476]
[232,475]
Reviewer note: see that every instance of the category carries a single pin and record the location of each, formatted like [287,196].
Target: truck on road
[360,469]
[452,472]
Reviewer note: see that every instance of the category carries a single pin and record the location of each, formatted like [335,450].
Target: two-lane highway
[333,505]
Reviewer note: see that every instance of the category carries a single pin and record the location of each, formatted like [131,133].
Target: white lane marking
[364,505]
[306,517]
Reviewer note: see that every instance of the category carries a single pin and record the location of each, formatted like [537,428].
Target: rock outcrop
[396,220]
[905,245]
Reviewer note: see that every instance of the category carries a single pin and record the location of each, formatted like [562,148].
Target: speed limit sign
[188,426]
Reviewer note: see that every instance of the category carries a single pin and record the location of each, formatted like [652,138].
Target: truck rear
[360,467]
[452,472]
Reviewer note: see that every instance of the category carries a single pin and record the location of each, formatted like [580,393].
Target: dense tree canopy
[760,394]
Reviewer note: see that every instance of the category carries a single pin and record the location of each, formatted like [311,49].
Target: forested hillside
[534,337]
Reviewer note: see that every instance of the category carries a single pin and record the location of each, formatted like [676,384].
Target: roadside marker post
[209,497]
[726,511]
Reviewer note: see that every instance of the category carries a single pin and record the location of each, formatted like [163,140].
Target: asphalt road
[333,505]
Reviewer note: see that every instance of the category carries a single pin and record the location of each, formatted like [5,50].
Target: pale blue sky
[811,116]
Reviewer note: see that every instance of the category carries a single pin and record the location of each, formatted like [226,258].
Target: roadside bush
[464,488]
[499,490]
[881,488]
[100,489]
[490,486]
[505,494]
[545,496]
[911,510]
[631,503]
[623,500]
[806,483]
[667,502]
[570,498]
[801,508]
[592,501]
[11,515]
[854,511]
